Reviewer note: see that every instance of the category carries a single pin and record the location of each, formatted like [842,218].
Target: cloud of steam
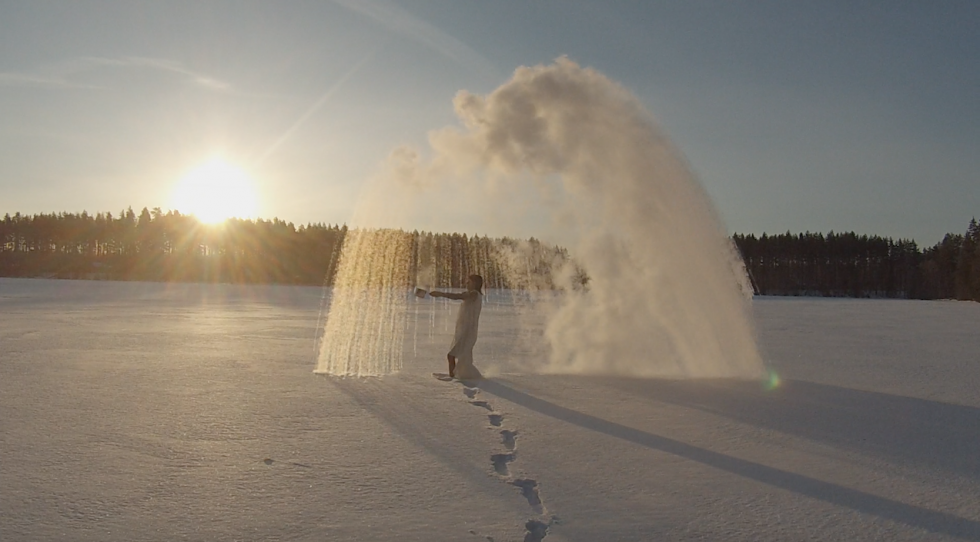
[664,296]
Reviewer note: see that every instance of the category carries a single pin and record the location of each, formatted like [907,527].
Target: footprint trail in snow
[535,529]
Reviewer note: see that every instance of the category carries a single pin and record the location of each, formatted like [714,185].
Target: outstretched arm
[458,297]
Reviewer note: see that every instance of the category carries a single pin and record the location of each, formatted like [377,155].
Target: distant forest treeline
[157,246]
[849,265]
[171,247]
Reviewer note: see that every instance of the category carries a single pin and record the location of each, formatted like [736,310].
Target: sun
[216,191]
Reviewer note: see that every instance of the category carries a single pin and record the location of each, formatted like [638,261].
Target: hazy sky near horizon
[818,116]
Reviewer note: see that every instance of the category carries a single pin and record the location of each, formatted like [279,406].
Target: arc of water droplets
[365,327]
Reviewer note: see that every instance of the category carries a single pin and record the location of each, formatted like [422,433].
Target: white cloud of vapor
[664,297]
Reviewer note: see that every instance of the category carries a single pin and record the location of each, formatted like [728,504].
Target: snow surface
[135,411]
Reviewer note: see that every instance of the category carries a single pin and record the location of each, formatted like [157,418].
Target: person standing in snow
[467,322]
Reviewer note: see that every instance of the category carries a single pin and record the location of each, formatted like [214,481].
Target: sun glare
[216,191]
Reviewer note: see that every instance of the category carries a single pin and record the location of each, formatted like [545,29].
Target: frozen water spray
[665,295]
[366,324]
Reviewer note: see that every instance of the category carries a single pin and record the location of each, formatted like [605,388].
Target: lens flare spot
[773,382]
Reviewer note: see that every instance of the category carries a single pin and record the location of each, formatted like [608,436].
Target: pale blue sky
[823,115]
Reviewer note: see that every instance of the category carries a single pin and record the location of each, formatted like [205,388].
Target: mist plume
[665,295]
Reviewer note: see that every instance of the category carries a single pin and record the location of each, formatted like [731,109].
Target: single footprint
[509,438]
[500,463]
[536,531]
[483,404]
[496,419]
[529,488]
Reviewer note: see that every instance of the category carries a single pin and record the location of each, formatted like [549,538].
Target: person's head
[475,282]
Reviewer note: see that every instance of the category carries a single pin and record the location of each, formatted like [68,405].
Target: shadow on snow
[914,516]
[941,436]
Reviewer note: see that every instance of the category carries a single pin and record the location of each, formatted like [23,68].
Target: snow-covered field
[133,411]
